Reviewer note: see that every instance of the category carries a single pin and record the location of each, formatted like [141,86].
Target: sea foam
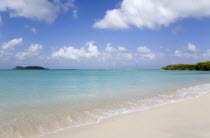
[97,115]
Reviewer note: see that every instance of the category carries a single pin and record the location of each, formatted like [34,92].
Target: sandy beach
[185,119]
[104,69]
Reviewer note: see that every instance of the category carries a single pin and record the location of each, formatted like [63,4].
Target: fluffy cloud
[143,49]
[190,51]
[115,53]
[145,52]
[206,55]
[11,43]
[153,13]
[7,49]
[121,48]
[32,51]
[199,56]
[191,48]
[42,10]
[90,56]
[178,53]
[75,54]
[110,49]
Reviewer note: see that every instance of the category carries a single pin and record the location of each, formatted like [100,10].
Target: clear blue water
[35,102]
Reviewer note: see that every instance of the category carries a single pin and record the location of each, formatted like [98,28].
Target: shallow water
[34,103]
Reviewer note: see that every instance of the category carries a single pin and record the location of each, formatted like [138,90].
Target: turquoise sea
[37,102]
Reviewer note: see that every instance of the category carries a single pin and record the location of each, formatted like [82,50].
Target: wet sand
[185,119]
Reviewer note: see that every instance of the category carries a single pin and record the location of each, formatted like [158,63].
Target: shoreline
[187,118]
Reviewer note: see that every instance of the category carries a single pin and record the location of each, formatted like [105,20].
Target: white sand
[186,119]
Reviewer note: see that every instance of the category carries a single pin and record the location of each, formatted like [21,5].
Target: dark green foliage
[179,67]
[29,68]
[203,66]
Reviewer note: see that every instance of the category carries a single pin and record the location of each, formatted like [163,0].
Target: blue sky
[103,34]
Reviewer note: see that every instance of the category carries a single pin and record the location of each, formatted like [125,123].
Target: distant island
[29,68]
[200,66]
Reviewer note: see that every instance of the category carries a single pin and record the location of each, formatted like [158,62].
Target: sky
[105,34]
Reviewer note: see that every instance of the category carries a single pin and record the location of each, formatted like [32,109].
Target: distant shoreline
[29,68]
[200,66]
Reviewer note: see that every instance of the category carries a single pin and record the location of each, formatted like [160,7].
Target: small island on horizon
[29,68]
[200,66]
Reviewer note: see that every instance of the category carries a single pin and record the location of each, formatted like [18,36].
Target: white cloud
[115,53]
[145,52]
[192,48]
[190,51]
[66,5]
[32,51]
[206,54]
[153,13]
[128,55]
[42,10]
[149,56]
[75,54]
[109,56]
[109,48]
[68,53]
[113,20]
[7,49]
[11,43]
[178,53]
[92,50]
[90,56]
[120,48]
[143,49]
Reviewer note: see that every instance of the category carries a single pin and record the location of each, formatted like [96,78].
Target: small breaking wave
[31,125]
[97,115]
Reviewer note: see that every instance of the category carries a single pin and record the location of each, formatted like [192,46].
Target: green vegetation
[202,66]
[179,67]
[29,68]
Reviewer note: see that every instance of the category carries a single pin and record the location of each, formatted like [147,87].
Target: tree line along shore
[29,68]
[200,66]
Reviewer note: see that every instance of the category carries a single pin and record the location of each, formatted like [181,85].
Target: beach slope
[185,119]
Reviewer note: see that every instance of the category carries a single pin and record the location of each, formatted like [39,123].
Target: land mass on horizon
[200,66]
[29,68]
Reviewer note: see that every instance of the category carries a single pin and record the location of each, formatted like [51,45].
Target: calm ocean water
[33,103]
